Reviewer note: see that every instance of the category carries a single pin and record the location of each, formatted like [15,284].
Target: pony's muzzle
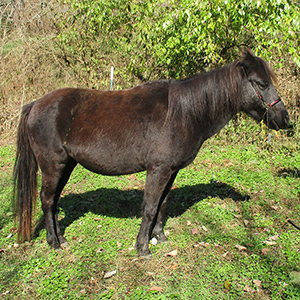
[277,118]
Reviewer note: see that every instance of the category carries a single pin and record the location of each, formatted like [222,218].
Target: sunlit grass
[227,222]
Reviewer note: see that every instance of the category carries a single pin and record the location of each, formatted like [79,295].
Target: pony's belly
[112,169]
[111,162]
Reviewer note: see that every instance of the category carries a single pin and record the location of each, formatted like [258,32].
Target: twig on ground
[296,226]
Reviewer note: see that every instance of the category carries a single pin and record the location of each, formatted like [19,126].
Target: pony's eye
[262,85]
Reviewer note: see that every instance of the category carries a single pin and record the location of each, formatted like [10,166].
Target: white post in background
[111,77]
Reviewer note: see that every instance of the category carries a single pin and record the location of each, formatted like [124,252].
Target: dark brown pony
[157,126]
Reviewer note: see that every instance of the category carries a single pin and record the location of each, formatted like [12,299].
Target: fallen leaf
[201,244]
[188,223]
[227,285]
[240,248]
[274,207]
[248,289]
[270,243]
[119,244]
[14,230]
[173,267]
[204,228]
[246,222]
[2,250]
[273,238]
[264,251]
[257,282]
[99,250]
[9,236]
[82,291]
[225,255]
[156,289]
[237,216]
[97,219]
[172,253]
[5,293]
[194,231]
[110,274]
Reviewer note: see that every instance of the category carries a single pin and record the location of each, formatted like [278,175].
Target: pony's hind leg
[53,181]
[62,182]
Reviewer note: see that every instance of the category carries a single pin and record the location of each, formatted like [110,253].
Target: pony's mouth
[274,125]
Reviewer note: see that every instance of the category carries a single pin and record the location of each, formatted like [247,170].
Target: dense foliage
[158,38]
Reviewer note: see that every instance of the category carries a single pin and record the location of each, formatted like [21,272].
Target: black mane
[205,96]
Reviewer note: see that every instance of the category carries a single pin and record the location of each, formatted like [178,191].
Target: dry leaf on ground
[172,253]
[241,248]
[110,274]
[257,283]
[156,289]
[270,243]
[194,231]
[273,237]
[201,244]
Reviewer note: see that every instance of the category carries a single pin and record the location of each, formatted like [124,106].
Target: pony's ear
[247,60]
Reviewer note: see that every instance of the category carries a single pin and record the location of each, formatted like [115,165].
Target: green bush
[157,39]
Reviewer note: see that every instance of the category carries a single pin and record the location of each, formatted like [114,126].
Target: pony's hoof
[56,248]
[145,256]
[63,242]
[162,239]
[144,253]
[65,245]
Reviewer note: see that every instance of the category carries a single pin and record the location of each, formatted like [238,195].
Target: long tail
[25,179]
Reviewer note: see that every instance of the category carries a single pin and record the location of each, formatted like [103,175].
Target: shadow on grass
[126,204]
[289,172]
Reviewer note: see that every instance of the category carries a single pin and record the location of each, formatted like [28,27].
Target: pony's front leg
[158,230]
[156,189]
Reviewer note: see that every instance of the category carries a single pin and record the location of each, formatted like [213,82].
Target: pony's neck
[206,102]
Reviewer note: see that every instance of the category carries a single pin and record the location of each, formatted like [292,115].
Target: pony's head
[261,100]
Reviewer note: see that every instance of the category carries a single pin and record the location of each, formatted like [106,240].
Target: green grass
[235,193]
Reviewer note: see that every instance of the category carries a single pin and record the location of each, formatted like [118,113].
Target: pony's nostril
[287,118]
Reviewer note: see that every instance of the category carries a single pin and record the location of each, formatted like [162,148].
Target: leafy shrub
[176,38]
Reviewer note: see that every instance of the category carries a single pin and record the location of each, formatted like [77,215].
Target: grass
[227,222]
